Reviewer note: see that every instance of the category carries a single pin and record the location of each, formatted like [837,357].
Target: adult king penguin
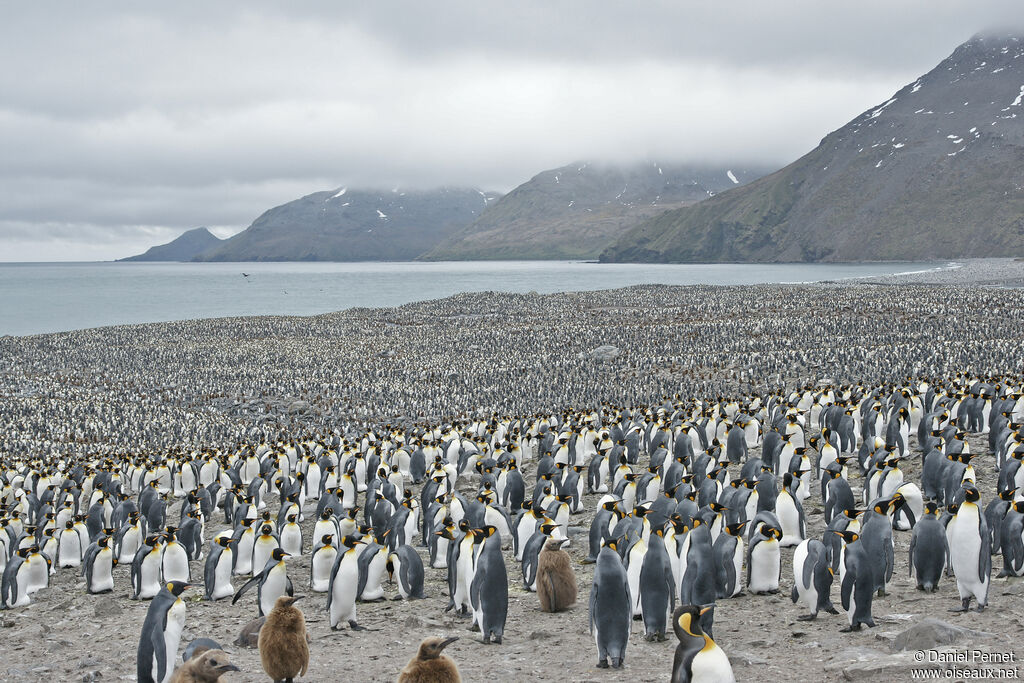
[161,633]
[698,658]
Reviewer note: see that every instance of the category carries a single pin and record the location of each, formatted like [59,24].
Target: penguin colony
[690,488]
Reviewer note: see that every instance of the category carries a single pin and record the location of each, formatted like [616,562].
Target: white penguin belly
[789,519]
[964,549]
[712,665]
[222,587]
[343,592]
[320,577]
[764,569]
[172,636]
[102,573]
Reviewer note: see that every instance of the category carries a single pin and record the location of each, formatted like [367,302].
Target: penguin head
[931,507]
[971,493]
[1007,494]
[548,528]
[686,622]
[431,648]
[350,541]
[847,536]
[224,541]
[735,529]
[176,588]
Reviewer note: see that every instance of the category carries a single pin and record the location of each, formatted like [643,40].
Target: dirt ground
[67,635]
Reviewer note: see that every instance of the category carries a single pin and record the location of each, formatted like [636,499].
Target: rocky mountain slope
[354,225]
[577,210]
[936,171]
[185,248]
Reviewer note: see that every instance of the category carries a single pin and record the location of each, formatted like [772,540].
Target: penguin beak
[448,641]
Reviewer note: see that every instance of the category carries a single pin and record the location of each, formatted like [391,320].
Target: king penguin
[698,658]
[611,608]
[489,589]
[969,552]
[161,633]
[927,555]
[812,578]
[217,568]
[272,582]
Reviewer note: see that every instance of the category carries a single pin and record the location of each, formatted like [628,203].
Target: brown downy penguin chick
[556,582]
[206,668]
[430,665]
[282,642]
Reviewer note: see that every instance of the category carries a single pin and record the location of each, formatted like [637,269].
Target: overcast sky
[123,124]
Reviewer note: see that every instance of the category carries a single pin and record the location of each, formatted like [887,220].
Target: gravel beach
[215,383]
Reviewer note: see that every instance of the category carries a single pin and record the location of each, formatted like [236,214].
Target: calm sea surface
[36,298]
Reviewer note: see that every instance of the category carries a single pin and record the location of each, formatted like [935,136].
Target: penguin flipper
[984,552]
[794,595]
[910,556]
[847,589]
[593,606]
[246,586]
[288,588]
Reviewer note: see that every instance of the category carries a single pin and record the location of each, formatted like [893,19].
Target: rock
[931,633]
[605,353]
[879,667]
[107,608]
[91,676]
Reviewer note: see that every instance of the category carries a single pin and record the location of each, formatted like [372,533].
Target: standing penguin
[698,658]
[657,588]
[489,590]
[611,608]
[99,566]
[812,578]
[217,568]
[322,564]
[406,565]
[928,549]
[344,584]
[431,665]
[764,561]
[727,556]
[556,582]
[273,582]
[161,633]
[284,652]
[858,586]
[969,552]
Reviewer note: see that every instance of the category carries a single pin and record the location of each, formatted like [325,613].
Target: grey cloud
[121,115]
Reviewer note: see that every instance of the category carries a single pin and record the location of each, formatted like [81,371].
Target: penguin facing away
[489,589]
[928,550]
[610,608]
[812,578]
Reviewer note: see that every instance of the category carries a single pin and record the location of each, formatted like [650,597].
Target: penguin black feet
[807,617]
[965,605]
[354,626]
[830,608]
[616,662]
[602,664]
[981,608]
[880,593]
[473,628]
[850,629]
[496,640]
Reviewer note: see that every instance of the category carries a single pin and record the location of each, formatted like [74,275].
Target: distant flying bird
[245,274]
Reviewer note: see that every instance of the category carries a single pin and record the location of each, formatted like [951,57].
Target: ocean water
[37,298]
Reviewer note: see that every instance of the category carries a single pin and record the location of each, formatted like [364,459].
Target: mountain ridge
[936,171]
